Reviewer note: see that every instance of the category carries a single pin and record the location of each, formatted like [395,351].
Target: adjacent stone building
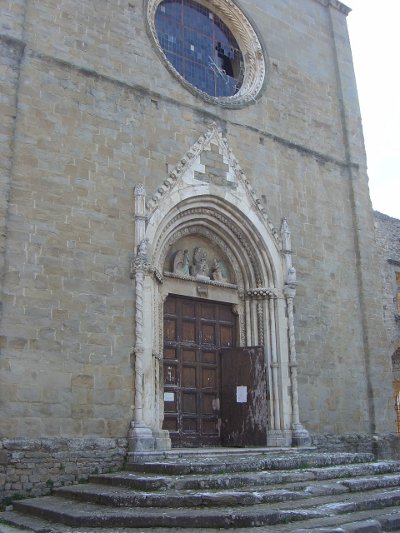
[388,238]
[171,191]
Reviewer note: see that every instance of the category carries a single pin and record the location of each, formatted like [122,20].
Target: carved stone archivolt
[248,41]
[214,216]
[221,244]
[213,136]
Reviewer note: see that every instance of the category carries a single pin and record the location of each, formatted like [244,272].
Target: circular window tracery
[200,47]
[211,47]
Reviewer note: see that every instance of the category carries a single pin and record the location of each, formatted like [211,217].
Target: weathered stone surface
[113,500]
[33,467]
[387,230]
[84,120]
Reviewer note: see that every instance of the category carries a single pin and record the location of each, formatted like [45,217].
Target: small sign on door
[241,394]
[169,397]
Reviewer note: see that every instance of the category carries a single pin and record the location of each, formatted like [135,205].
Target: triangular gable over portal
[211,164]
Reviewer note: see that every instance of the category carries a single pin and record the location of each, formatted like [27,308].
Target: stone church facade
[149,225]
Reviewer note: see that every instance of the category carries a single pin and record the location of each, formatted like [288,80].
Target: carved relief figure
[181,263]
[219,272]
[200,268]
[292,276]
[143,248]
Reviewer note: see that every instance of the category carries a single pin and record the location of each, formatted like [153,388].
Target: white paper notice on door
[169,397]
[241,394]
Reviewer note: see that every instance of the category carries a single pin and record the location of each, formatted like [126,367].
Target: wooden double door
[214,392]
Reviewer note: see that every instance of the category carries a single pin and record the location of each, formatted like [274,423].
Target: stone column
[300,436]
[140,436]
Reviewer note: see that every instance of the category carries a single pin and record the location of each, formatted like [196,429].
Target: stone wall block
[32,468]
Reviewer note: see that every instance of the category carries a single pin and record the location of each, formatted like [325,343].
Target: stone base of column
[279,438]
[162,440]
[300,436]
[140,438]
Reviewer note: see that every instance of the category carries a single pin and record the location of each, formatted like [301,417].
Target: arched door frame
[264,290]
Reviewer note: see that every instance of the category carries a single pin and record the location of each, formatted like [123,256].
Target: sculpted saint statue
[200,268]
[181,263]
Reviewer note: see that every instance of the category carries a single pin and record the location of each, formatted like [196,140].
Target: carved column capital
[261,293]
[139,264]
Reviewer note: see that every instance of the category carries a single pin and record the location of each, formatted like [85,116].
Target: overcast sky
[374,28]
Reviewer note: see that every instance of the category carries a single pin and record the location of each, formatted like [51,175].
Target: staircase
[249,490]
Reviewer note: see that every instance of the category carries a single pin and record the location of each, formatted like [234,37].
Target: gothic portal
[211,239]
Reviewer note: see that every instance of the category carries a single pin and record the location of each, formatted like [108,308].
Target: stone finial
[286,235]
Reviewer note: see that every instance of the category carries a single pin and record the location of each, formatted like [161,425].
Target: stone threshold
[215,452]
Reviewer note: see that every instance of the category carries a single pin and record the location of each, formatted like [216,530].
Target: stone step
[113,496]
[228,481]
[264,492]
[117,496]
[216,454]
[85,515]
[361,522]
[215,465]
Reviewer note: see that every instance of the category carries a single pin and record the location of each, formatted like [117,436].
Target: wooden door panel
[209,378]
[188,309]
[209,357]
[169,353]
[243,397]
[189,374]
[208,404]
[171,407]
[208,334]
[189,403]
[190,425]
[171,424]
[170,329]
[208,311]
[227,336]
[170,306]
[225,314]
[170,374]
[188,331]
[210,427]
[189,356]
[194,332]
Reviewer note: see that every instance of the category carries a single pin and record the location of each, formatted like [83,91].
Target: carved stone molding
[336,4]
[260,323]
[211,214]
[249,44]
[261,293]
[213,135]
[201,281]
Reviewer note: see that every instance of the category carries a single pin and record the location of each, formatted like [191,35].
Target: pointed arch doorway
[204,237]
